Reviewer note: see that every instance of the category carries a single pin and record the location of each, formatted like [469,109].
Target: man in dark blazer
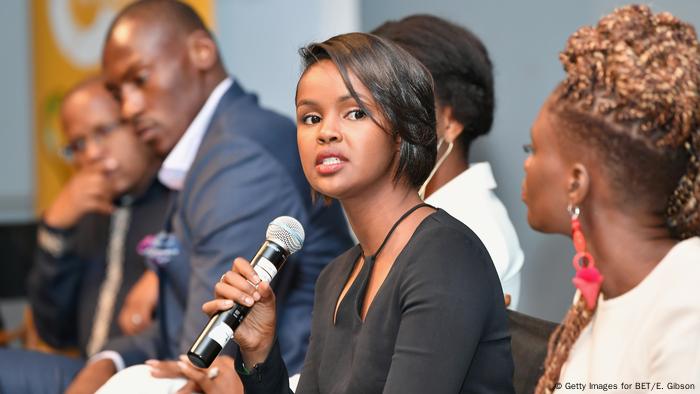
[236,168]
[86,261]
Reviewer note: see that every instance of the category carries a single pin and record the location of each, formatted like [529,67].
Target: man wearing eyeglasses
[88,283]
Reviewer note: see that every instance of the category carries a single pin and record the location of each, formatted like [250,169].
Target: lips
[146,131]
[330,162]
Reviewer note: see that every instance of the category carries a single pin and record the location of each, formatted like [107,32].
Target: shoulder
[242,115]
[672,317]
[674,281]
[441,235]
[445,251]
[680,267]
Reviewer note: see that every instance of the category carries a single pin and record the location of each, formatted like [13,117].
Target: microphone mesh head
[287,232]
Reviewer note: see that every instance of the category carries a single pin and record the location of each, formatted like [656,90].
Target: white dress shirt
[174,169]
[469,197]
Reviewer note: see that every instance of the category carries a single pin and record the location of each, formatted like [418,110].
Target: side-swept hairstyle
[401,87]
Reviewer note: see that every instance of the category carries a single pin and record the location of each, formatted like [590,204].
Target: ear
[579,184]
[451,127]
[202,50]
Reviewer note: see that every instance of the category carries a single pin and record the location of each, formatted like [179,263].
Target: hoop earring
[450,144]
[587,279]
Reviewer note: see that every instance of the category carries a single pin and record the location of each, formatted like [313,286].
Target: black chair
[529,337]
[17,248]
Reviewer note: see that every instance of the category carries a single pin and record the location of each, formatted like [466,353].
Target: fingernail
[256,279]
[181,365]
[256,295]
[184,358]
[227,304]
[248,301]
[151,362]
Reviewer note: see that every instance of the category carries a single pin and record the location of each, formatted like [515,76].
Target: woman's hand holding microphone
[256,334]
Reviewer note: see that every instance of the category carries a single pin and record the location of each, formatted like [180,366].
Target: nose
[329,133]
[132,102]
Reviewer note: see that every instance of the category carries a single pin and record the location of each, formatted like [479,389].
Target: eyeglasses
[99,134]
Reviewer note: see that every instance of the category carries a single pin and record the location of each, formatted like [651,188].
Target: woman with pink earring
[614,164]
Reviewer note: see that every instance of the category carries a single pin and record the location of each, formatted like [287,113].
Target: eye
[74,147]
[140,79]
[528,149]
[310,119]
[356,114]
[105,130]
[114,91]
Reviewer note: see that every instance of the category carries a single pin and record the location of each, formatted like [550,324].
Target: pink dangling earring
[587,279]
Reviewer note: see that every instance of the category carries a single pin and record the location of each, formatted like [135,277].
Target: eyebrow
[133,69]
[130,71]
[340,100]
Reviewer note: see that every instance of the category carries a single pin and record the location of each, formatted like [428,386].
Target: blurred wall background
[259,41]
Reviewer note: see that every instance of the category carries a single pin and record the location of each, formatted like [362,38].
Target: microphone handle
[223,324]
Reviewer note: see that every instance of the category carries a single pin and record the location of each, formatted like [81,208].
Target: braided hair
[631,92]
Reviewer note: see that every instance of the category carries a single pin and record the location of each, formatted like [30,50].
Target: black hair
[401,87]
[176,13]
[460,66]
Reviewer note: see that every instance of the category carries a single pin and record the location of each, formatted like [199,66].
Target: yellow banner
[67,38]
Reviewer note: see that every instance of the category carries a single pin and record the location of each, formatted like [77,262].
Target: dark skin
[578,178]
[328,121]
[457,161]
[148,63]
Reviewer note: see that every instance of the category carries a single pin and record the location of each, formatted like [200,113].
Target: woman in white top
[617,143]
[463,77]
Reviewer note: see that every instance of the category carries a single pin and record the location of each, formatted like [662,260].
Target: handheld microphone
[284,236]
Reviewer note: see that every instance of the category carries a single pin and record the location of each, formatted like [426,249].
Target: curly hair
[631,92]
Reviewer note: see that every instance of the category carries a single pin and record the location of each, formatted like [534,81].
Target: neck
[646,241]
[455,164]
[371,215]
[211,81]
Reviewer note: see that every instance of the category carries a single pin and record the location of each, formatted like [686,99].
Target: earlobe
[579,184]
[452,128]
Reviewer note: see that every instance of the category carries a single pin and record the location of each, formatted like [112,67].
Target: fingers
[100,206]
[214,306]
[243,267]
[134,318]
[109,164]
[265,290]
[94,191]
[239,284]
[244,285]
[196,375]
[124,323]
[164,369]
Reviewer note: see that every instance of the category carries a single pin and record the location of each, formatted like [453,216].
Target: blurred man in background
[87,269]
